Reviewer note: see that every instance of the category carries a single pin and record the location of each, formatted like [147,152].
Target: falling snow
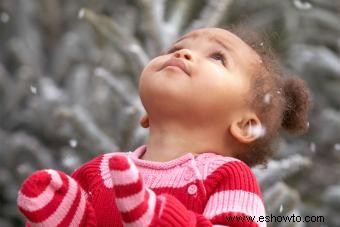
[24,168]
[100,72]
[267,98]
[81,13]
[337,146]
[281,208]
[4,17]
[49,91]
[312,147]
[73,143]
[303,5]
[257,131]
[134,48]
[50,101]
[33,90]
[70,160]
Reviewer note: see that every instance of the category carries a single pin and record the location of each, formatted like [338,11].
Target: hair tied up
[297,105]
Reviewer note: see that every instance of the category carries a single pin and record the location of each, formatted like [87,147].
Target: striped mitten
[137,204]
[51,198]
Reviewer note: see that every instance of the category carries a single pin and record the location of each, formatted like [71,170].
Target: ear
[247,129]
[144,121]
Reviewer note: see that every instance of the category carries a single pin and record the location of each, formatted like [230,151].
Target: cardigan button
[192,189]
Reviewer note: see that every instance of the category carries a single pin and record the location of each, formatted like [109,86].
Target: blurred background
[68,88]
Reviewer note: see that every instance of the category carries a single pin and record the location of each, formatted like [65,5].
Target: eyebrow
[222,44]
[210,38]
[185,37]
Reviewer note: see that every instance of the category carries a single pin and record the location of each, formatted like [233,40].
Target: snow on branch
[277,170]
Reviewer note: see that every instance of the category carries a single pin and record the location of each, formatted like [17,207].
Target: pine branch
[281,200]
[153,14]
[277,170]
[28,45]
[212,14]
[117,86]
[126,43]
[20,90]
[320,57]
[178,16]
[6,89]
[21,143]
[324,19]
[130,122]
[79,84]
[89,131]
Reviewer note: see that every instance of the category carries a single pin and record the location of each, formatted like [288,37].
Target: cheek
[220,88]
[147,72]
[213,79]
[154,64]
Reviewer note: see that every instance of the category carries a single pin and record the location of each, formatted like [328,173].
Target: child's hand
[135,202]
[51,198]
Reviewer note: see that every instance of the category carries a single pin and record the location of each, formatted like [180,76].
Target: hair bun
[298,102]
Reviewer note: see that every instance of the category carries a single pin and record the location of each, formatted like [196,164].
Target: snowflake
[4,17]
[70,160]
[73,143]
[257,131]
[337,146]
[312,147]
[267,98]
[81,13]
[33,90]
[303,5]
[24,168]
[99,71]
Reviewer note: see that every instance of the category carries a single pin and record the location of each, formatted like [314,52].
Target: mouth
[174,62]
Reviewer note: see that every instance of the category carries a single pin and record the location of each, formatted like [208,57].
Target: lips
[177,63]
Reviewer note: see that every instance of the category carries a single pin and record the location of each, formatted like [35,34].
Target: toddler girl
[214,106]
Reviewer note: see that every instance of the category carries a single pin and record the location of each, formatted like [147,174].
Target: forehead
[213,33]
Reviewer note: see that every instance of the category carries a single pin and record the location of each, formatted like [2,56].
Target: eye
[219,56]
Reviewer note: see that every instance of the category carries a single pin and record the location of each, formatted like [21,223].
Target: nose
[184,53]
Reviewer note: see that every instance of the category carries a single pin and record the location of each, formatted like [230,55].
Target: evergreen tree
[69,80]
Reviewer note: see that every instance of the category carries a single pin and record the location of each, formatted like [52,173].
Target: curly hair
[280,101]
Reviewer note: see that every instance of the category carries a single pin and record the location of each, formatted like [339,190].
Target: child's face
[204,76]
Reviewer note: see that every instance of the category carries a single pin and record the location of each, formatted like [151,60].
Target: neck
[170,142]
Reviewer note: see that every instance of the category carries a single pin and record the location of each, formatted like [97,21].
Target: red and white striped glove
[51,198]
[137,204]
